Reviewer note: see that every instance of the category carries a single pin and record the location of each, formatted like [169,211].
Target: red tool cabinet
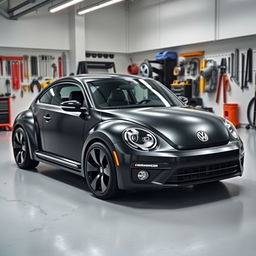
[5,113]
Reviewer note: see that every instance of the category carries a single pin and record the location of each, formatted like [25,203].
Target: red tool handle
[218,89]
[15,76]
[225,88]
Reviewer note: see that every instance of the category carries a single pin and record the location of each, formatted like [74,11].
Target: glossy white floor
[51,212]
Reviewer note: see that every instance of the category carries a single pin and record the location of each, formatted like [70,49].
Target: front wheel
[100,172]
[21,150]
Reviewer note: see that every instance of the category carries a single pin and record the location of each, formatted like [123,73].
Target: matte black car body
[180,158]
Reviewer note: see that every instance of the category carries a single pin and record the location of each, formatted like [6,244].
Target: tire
[250,109]
[100,171]
[21,150]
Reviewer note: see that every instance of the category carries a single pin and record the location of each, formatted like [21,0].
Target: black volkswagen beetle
[124,132]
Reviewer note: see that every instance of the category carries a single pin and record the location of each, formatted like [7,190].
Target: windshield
[131,93]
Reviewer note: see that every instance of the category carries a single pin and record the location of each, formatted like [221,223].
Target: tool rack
[5,112]
[84,66]
[165,72]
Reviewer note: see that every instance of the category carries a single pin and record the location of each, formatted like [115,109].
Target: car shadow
[179,197]
[63,176]
[168,198]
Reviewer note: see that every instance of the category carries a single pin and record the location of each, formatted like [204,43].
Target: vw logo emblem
[202,136]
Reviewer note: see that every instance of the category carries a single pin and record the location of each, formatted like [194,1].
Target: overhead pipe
[23,4]
[4,13]
[29,10]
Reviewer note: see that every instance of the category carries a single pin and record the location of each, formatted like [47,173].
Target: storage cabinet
[5,113]
[236,18]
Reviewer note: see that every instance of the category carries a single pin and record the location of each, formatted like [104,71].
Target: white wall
[105,29]
[217,50]
[166,23]
[37,30]
[155,24]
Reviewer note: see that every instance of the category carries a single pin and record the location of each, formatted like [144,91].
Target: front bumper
[179,167]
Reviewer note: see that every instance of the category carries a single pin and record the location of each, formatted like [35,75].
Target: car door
[62,132]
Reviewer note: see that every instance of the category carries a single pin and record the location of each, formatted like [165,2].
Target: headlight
[140,139]
[232,129]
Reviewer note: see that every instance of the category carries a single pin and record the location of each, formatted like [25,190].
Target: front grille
[203,173]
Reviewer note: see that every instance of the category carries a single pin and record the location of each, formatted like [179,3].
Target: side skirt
[66,164]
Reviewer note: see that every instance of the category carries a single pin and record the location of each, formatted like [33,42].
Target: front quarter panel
[110,133]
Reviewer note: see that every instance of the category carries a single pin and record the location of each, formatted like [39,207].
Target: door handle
[47,118]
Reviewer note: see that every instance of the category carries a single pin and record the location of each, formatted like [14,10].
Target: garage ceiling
[14,9]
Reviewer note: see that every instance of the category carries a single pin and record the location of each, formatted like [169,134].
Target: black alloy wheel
[100,171]
[21,150]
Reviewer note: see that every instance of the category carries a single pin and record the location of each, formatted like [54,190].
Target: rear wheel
[21,150]
[100,171]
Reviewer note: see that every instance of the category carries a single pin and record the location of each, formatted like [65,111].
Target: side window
[47,97]
[60,93]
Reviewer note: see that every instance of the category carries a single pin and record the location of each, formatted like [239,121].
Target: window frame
[86,101]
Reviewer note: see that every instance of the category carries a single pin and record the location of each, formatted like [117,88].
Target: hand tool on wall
[24,88]
[42,69]
[8,67]
[202,81]
[35,82]
[34,66]
[179,70]
[40,65]
[229,63]
[249,68]
[232,66]
[242,75]
[46,82]
[15,75]
[195,86]
[8,87]
[236,70]
[1,67]
[21,72]
[54,70]
[45,66]
[193,67]
[50,59]
[210,73]
[26,66]
[223,81]
[64,61]
[60,67]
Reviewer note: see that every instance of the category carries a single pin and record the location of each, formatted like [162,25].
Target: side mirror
[183,99]
[73,106]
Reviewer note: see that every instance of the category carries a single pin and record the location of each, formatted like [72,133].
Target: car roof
[84,77]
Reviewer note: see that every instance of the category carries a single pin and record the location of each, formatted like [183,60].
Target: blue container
[165,55]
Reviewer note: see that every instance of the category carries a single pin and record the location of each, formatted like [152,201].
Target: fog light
[143,175]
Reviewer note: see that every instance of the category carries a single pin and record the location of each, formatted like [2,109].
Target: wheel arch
[100,137]
[25,120]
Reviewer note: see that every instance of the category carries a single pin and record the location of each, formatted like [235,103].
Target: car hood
[178,126]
